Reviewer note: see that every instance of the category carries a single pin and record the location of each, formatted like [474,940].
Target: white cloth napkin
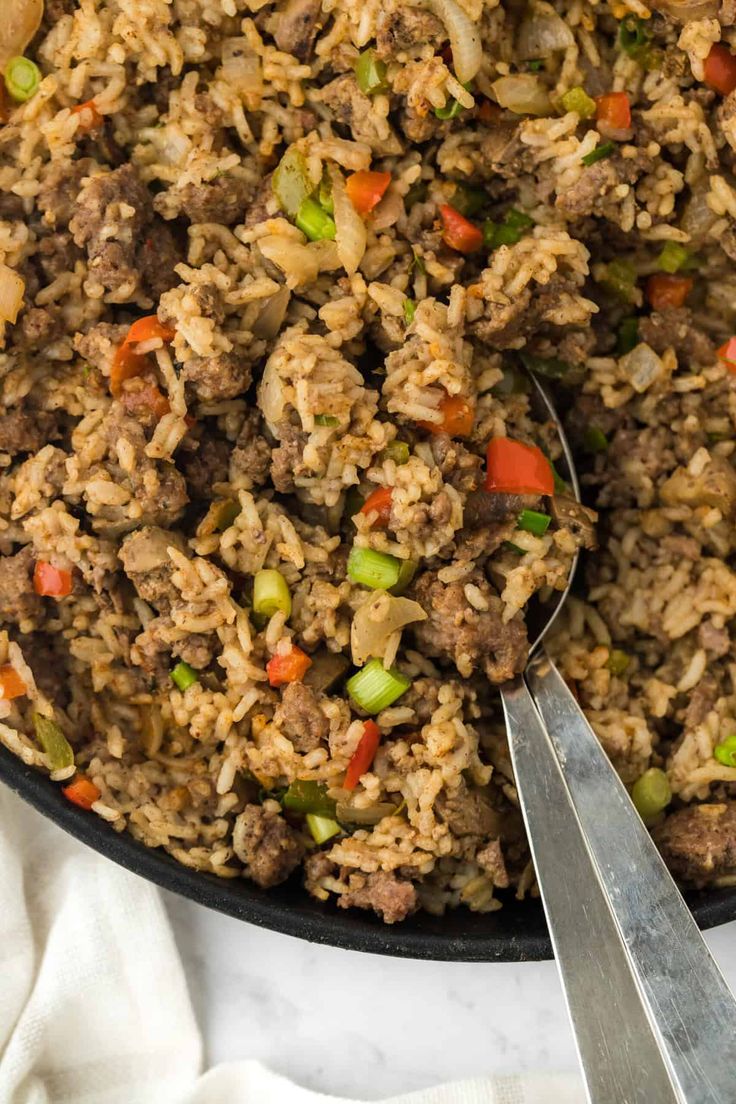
[94,1006]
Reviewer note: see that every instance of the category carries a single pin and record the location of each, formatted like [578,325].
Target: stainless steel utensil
[651,1013]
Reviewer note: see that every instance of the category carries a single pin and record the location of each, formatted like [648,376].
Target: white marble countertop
[366,1026]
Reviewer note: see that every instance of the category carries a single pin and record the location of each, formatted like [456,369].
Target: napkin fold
[94,1007]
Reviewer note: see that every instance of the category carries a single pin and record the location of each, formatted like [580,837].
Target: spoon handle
[690,1006]
[621,1060]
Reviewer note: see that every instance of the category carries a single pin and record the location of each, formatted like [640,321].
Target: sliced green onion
[314,222]
[450,111]
[509,232]
[535,65]
[600,153]
[398,451]
[628,335]
[561,486]
[374,688]
[469,201]
[270,593]
[651,794]
[594,440]
[370,73]
[518,220]
[184,675]
[578,100]
[418,263]
[618,662]
[305,796]
[489,233]
[514,548]
[410,309]
[373,569]
[620,279]
[326,420]
[725,752]
[290,182]
[531,521]
[22,78]
[549,367]
[633,36]
[673,257]
[54,742]
[407,571]
[322,828]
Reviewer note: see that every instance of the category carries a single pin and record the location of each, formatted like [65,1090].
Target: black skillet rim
[516,933]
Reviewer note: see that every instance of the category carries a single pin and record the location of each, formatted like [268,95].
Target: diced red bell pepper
[128,363]
[11,684]
[82,792]
[665,291]
[727,353]
[457,417]
[719,69]
[366,189]
[614,109]
[458,232]
[50,581]
[516,468]
[379,502]
[291,667]
[90,117]
[363,755]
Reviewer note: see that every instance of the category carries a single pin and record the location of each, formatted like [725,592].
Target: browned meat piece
[223,200]
[157,256]
[423,697]
[471,638]
[145,559]
[300,718]
[102,224]
[155,645]
[40,326]
[57,254]
[491,860]
[716,641]
[27,431]
[251,457]
[297,26]
[468,812]
[57,197]
[501,148]
[208,465]
[674,329]
[402,30]
[267,846]
[418,127]
[714,486]
[702,700]
[490,507]
[593,186]
[18,600]
[317,866]
[350,106]
[571,514]
[286,460]
[263,205]
[459,467]
[209,300]
[699,843]
[384,892]
[11,207]
[219,377]
[160,490]
[504,325]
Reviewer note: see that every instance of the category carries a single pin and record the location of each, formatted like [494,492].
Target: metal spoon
[652,1016]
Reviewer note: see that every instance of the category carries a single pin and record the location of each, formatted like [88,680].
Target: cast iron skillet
[517,933]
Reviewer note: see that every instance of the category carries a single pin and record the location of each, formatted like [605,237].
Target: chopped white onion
[374,622]
[12,288]
[389,210]
[467,50]
[21,19]
[271,395]
[542,32]
[685,10]
[524,94]
[641,367]
[351,234]
[273,313]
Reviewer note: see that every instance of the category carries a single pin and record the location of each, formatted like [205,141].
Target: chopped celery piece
[322,828]
[305,796]
[184,676]
[594,440]
[628,335]
[620,279]
[407,571]
[22,77]
[398,451]
[534,522]
[468,200]
[270,593]
[326,420]
[578,100]
[314,222]
[651,794]
[374,688]
[673,257]
[410,309]
[725,752]
[290,182]
[373,569]
[618,662]
[370,73]
[54,742]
